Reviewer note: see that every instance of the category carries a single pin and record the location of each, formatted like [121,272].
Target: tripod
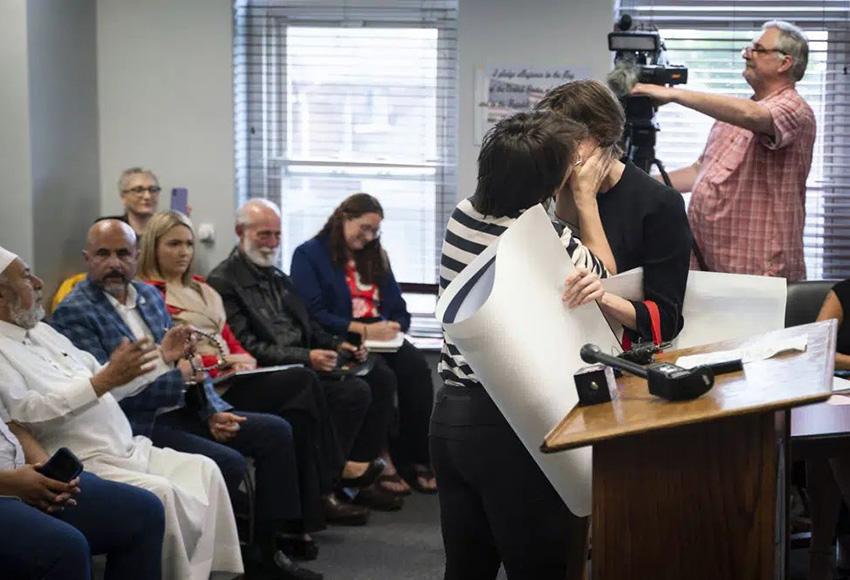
[639,145]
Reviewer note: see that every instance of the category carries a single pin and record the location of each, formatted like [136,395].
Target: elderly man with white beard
[272,323]
[66,398]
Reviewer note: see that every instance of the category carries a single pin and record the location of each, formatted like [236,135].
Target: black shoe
[298,548]
[283,568]
[343,514]
[378,499]
[367,478]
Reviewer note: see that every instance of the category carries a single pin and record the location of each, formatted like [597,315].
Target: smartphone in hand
[354,338]
[180,199]
[63,466]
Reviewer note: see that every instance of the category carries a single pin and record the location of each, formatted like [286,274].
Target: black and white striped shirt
[469,233]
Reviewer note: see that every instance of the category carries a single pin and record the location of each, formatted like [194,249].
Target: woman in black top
[645,221]
[496,506]
[836,304]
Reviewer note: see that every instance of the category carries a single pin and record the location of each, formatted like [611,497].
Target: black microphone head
[588,353]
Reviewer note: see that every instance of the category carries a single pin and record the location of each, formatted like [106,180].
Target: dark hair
[371,262]
[594,105]
[523,161]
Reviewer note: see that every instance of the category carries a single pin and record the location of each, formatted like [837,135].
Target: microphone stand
[665,380]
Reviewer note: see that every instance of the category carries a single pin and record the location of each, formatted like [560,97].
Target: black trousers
[267,439]
[297,396]
[496,506]
[362,428]
[415,403]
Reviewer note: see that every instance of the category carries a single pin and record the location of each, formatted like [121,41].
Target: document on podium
[505,315]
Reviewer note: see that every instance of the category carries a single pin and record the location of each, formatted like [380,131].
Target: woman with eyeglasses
[344,276]
[139,190]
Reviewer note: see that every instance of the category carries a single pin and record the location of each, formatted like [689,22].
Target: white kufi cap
[6,258]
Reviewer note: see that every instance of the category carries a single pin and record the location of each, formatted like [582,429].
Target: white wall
[165,86]
[63,133]
[529,33]
[48,132]
[15,173]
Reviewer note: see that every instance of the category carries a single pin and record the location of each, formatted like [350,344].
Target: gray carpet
[403,545]
[406,545]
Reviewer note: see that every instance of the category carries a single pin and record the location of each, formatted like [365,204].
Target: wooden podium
[695,489]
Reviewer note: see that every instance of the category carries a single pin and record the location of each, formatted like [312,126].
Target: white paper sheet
[840,385]
[628,285]
[759,350]
[726,306]
[391,345]
[717,306]
[504,312]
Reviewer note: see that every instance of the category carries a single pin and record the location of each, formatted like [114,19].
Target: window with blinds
[334,98]
[707,36]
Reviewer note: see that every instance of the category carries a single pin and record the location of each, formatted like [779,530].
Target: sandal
[367,478]
[393,478]
[417,472]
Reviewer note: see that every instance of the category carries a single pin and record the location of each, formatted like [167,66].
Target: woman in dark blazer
[344,277]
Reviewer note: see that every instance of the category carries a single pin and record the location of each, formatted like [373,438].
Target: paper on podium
[717,306]
[505,315]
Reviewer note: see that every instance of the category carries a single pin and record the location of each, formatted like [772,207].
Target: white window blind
[707,36]
[334,98]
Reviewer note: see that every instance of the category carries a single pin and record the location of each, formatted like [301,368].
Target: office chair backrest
[804,300]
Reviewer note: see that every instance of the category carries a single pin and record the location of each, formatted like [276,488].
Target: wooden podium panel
[693,489]
[695,502]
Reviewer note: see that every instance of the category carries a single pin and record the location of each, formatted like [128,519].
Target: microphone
[623,78]
[665,380]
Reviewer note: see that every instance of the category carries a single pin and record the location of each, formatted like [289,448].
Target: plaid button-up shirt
[748,206]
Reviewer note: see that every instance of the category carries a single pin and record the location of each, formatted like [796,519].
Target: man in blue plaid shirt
[110,306]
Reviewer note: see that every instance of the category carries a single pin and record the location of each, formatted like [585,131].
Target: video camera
[640,56]
[644,52]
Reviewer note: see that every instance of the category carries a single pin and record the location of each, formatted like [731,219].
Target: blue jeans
[124,522]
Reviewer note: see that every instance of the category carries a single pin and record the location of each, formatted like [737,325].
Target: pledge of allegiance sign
[501,91]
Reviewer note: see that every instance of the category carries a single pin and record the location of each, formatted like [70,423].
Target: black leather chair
[804,300]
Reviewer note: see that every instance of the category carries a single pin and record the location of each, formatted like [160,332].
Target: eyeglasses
[367,229]
[139,190]
[757,48]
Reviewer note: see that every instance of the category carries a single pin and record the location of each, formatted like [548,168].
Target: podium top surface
[784,381]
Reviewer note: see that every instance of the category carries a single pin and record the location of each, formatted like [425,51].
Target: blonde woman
[166,259]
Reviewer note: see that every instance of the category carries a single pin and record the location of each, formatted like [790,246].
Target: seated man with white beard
[66,398]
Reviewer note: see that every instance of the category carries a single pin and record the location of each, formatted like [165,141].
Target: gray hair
[792,42]
[123,181]
[243,214]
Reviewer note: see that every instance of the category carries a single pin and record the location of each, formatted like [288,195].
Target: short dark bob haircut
[523,161]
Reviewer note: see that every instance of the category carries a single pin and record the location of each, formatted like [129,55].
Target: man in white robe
[67,398]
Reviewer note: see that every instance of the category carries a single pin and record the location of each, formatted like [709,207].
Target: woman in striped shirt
[496,505]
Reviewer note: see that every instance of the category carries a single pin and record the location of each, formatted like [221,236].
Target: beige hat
[6,258]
